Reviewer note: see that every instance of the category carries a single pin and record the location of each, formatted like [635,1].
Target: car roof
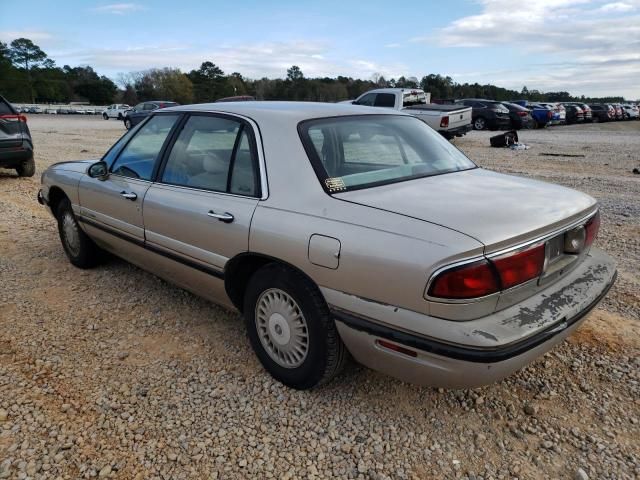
[296,111]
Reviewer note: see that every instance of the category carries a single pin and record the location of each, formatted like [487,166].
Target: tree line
[28,75]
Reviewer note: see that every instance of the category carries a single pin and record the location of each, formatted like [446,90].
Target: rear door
[11,125]
[201,207]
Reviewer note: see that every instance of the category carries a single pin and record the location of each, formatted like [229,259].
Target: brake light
[549,114]
[520,267]
[522,114]
[591,228]
[444,123]
[473,280]
[14,118]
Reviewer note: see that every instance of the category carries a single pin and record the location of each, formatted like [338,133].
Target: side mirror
[98,170]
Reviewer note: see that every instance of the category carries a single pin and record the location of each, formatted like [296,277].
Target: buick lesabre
[341,229]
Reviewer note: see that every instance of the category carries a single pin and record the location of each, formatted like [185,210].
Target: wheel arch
[56,195]
[240,268]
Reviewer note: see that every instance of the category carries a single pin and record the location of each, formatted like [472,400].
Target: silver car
[337,228]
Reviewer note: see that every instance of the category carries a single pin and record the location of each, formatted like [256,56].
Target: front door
[114,204]
[201,207]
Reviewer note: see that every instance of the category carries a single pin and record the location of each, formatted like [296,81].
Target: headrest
[212,163]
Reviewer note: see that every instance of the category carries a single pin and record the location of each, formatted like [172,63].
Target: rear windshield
[411,99]
[5,108]
[354,152]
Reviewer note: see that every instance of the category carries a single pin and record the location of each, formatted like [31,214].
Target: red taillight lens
[549,114]
[522,114]
[444,123]
[13,118]
[591,228]
[468,281]
[516,268]
[396,348]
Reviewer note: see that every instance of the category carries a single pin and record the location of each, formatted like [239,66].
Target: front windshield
[349,153]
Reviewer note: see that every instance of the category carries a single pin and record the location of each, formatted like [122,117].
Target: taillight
[444,123]
[522,114]
[516,268]
[14,118]
[591,229]
[549,114]
[473,280]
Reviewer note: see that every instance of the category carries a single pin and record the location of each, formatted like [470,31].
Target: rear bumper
[495,346]
[12,157]
[456,132]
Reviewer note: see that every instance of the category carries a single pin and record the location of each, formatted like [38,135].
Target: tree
[26,54]
[164,84]
[294,74]
[209,83]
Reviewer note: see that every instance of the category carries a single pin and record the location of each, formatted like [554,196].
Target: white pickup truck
[115,111]
[449,120]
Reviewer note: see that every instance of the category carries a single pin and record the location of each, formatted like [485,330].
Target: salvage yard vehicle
[338,228]
[574,114]
[115,111]
[448,120]
[487,114]
[601,113]
[520,116]
[134,116]
[541,115]
[16,145]
[631,111]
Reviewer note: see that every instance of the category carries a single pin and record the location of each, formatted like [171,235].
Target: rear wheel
[127,124]
[480,123]
[290,328]
[80,249]
[27,168]
[105,116]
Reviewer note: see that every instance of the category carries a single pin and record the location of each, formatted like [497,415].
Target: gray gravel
[112,373]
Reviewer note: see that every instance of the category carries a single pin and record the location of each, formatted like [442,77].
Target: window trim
[258,160]
[161,153]
[321,173]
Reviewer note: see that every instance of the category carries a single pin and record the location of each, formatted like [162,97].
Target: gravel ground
[113,373]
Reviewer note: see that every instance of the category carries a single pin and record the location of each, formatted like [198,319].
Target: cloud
[119,8]
[253,60]
[35,35]
[592,45]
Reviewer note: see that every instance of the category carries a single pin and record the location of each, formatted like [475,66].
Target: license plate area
[556,261]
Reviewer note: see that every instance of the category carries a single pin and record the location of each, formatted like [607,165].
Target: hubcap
[282,328]
[71,234]
[479,124]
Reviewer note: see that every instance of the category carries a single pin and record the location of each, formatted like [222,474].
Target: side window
[139,156]
[150,106]
[385,100]
[244,179]
[203,153]
[5,109]
[368,100]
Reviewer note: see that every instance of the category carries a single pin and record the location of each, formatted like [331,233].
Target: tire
[80,249]
[127,124]
[27,168]
[479,123]
[105,116]
[278,298]
[119,116]
[595,119]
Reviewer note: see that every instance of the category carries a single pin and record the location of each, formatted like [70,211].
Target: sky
[586,47]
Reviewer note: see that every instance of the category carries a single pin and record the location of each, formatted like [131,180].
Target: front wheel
[479,123]
[27,168]
[105,116]
[290,328]
[127,124]
[80,249]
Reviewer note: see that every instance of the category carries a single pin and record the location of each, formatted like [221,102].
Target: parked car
[338,228]
[619,113]
[602,112]
[558,117]
[16,145]
[588,114]
[237,98]
[35,109]
[487,114]
[50,111]
[89,111]
[448,120]
[541,115]
[631,111]
[115,111]
[520,116]
[574,114]
[141,111]
[63,111]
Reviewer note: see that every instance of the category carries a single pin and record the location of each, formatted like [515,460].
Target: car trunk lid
[498,210]
[12,126]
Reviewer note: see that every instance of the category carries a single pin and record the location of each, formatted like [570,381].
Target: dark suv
[142,110]
[16,146]
[487,114]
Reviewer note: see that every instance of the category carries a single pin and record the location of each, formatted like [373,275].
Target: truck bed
[437,107]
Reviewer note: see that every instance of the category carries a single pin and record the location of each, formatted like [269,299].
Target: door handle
[129,196]
[223,217]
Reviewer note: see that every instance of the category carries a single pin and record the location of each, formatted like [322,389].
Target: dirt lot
[113,373]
